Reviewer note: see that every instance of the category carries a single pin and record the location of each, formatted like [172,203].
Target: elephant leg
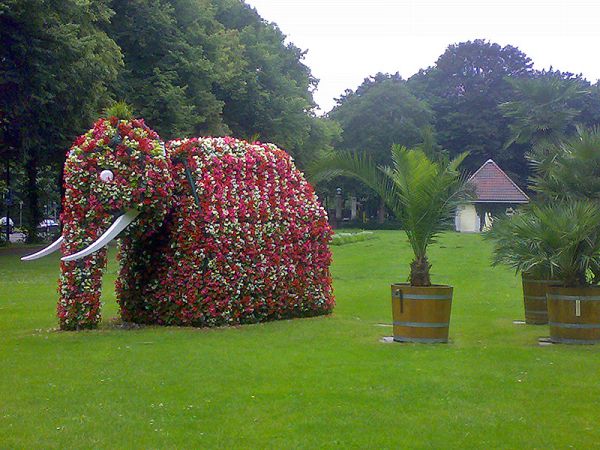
[142,259]
[129,284]
[162,276]
[80,286]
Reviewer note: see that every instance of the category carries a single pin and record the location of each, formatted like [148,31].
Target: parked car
[48,225]
[11,225]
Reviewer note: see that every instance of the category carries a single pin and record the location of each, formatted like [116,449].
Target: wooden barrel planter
[421,314]
[574,315]
[534,297]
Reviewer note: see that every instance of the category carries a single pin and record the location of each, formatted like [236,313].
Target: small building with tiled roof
[495,193]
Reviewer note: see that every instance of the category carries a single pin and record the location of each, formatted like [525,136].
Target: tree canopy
[544,108]
[464,88]
[189,67]
[57,67]
[381,112]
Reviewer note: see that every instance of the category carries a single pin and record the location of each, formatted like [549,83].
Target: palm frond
[543,110]
[569,169]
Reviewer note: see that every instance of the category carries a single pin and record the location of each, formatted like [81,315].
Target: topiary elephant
[213,231]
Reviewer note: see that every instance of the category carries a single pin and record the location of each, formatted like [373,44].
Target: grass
[316,383]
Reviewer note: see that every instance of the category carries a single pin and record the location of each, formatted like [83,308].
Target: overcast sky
[348,40]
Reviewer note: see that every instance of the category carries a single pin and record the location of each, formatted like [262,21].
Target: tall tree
[271,96]
[56,66]
[379,113]
[173,51]
[464,87]
[197,67]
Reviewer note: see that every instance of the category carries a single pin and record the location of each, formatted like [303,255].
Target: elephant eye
[106,176]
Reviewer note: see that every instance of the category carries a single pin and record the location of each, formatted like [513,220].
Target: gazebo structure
[496,194]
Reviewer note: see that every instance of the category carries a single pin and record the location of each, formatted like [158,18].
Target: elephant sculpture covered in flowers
[213,231]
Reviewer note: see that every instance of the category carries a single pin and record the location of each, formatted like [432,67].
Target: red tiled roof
[493,185]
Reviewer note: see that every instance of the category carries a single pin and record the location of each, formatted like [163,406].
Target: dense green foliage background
[189,67]
[215,67]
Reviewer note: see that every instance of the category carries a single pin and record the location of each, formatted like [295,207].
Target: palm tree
[559,241]
[422,194]
[569,169]
[544,111]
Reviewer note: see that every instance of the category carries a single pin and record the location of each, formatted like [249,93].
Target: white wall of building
[466,219]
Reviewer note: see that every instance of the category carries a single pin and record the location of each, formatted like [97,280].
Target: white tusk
[118,225]
[46,251]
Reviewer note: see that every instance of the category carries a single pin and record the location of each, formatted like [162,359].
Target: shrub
[349,238]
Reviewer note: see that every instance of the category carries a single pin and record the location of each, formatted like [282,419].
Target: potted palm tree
[514,240]
[423,194]
[561,239]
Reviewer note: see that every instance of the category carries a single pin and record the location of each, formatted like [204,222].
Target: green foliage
[120,110]
[544,108]
[589,106]
[215,67]
[380,113]
[463,88]
[171,52]
[560,241]
[430,147]
[423,194]
[56,71]
[271,92]
[350,238]
[323,135]
[569,169]
[57,66]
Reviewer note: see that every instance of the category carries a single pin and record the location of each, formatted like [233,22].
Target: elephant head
[116,177]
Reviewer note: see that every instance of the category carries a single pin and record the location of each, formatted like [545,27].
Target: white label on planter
[578,308]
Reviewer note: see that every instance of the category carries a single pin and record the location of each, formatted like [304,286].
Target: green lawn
[321,383]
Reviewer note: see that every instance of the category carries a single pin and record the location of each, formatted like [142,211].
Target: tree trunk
[381,212]
[34,216]
[419,272]
[8,200]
